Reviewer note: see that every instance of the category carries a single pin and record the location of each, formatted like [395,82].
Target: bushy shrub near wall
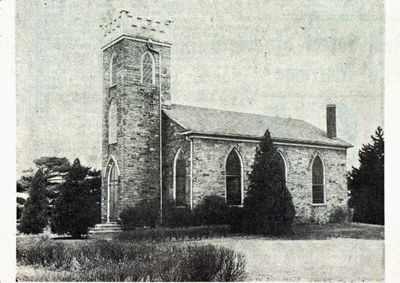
[144,214]
[174,216]
[212,210]
[163,234]
[339,215]
[268,207]
[133,261]
[235,219]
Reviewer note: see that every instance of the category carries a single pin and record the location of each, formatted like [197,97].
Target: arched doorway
[112,191]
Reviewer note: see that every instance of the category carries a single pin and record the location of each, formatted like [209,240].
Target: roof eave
[248,138]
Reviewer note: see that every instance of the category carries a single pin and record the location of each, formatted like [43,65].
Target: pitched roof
[214,122]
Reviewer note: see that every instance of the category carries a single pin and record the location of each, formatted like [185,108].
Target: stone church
[154,149]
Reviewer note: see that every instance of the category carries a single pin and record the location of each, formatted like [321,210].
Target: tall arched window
[112,189]
[180,179]
[147,68]
[282,166]
[233,169]
[318,196]
[112,122]
[113,73]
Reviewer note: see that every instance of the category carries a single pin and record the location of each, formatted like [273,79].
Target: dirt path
[310,260]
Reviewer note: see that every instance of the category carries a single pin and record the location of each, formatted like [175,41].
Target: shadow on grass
[326,231]
[69,238]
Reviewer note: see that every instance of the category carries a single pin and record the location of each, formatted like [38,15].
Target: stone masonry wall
[137,149]
[209,174]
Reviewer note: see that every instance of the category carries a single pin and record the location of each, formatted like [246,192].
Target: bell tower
[136,84]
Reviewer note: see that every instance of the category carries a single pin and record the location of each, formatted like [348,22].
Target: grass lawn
[330,252]
[347,260]
[337,230]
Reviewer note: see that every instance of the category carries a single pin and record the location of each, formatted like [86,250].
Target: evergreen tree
[76,208]
[366,184]
[268,207]
[34,216]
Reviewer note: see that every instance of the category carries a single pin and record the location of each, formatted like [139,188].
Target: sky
[280,58]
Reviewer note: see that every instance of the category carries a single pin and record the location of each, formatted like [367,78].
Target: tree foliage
[50,167]
[52,164]
[268,207]
[366,184]
[77,207]
[34,216]
[25,181]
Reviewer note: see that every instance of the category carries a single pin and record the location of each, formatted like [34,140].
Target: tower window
[112,122]
[113,73]
[318,195]
[147,68]
[180,179]
[233,171]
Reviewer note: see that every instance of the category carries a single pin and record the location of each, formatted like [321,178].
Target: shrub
[177,216]
[235,219]
[19,212]
[20,200]
[169,234]
[76,208]
[43,252]
[366,183]
[212,210]
[210,263]
[34,215]
[144,214]
[268,207]
[339,215]
[124,261]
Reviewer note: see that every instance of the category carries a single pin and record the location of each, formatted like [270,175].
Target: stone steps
[105,230]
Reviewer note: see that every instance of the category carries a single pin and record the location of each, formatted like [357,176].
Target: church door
[112,193]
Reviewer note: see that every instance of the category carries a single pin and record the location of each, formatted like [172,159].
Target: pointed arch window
[318,194]
[147,68]
[112,122]
[180,179]
[112,189]
[282,165]
[233,169]
[113,73]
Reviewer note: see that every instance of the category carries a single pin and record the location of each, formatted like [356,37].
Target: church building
[154,149]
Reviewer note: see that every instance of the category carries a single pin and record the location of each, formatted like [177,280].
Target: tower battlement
[135,26]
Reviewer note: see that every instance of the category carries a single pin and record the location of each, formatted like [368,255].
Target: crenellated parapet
[136,27]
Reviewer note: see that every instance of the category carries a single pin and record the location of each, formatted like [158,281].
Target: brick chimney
[331,121]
